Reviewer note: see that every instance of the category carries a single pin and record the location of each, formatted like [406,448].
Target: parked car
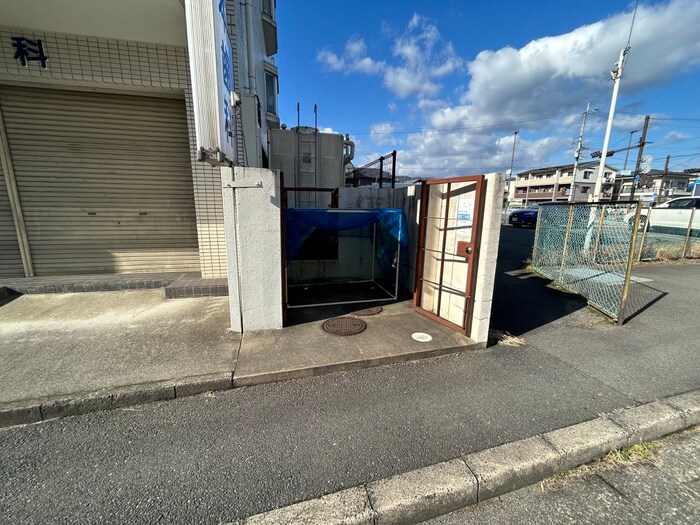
[526,217]
[674,213]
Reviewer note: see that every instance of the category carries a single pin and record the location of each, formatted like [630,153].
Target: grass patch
[641,453]
[498,337]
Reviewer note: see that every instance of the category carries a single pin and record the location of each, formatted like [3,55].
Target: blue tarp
[300,223]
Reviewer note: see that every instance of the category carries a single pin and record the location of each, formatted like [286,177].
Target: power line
[458,128]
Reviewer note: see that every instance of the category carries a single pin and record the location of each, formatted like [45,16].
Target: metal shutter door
[105,181]
[10,258]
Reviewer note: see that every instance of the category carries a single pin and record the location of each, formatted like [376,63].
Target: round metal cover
[369,311]
[421,337]
[344,326]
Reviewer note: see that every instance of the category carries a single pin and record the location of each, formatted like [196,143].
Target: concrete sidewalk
[69,354]
[60,345]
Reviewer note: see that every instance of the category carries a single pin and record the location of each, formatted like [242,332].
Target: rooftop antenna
[616,75]
[298,115]
[316,117]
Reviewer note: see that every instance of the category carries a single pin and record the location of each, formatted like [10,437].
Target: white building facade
[99,171]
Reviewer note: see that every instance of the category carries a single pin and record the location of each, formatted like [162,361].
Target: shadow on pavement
[8,296]
[640,297]
[521,300]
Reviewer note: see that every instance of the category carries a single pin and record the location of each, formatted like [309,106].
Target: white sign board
[465,216]
[211,73]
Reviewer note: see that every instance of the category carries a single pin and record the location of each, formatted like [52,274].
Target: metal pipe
[687,234]
[644,234]
[597,235]
[248,13]
[381,170]
[15,202]
[565,250]
[393,169]
[398,268]
[374,246]
[343,302]
[630,261]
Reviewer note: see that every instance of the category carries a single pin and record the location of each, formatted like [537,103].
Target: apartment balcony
[540,195]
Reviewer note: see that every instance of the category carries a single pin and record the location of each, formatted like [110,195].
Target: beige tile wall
[115,65]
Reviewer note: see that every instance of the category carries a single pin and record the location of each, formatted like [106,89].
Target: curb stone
[428,492]
[33,411]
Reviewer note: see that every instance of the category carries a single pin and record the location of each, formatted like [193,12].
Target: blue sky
[446,83]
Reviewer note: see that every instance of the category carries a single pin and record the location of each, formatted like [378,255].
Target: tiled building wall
[116,65]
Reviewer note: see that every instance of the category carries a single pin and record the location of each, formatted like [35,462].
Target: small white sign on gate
[465,216]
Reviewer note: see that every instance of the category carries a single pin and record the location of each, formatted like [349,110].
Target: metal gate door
[448,250]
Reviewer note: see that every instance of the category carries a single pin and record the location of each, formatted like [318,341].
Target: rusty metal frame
[332,191]
[475,242]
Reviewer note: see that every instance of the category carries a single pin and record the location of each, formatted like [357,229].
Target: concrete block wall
[488,254]
[95,63]
[253,237]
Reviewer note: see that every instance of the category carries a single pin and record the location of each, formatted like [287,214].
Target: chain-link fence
[586,249]
[668,234]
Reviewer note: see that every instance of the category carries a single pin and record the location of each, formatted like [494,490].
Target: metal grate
[344,326]
[586,249]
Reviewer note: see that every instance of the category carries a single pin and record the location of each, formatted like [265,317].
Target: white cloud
[391,106]
[353,59]
[381,133]
[558,73]
[421,60]
[675,136]
[330,60]
[543,87]
[540,89]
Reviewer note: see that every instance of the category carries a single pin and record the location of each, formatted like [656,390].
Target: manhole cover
[369,311]
[344,326]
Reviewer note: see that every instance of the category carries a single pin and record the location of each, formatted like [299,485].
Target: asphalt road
[665,490]
[213,458]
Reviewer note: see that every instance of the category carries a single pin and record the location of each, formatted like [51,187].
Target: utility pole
[577,151]
[512,158]
[512,155]
[640,152]
[616,75]
[629,147]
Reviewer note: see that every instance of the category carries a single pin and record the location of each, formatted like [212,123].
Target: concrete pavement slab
[63,345]
[305,350]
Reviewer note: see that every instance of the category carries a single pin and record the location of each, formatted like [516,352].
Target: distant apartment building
[99,173]
[554,183]
[654,187]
